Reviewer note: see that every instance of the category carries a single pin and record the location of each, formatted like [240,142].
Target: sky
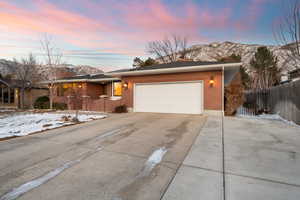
[109,33]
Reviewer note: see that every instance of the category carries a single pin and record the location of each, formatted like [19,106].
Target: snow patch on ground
[270,117]
[26,187]
[16,192]
[24,124]
[109,133]
[155,158]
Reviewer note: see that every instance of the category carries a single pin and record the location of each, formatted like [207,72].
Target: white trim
[174,70]
[171,82]
[103,79]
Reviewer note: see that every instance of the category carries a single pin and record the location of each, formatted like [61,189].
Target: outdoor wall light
[79,86]
[211,81]
[125,85]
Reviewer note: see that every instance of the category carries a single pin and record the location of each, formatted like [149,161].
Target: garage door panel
[169,97]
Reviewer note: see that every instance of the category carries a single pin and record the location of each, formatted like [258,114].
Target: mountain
[67,70]
[45,71]
[217,50]
[201,52]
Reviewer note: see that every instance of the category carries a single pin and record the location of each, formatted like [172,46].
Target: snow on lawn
[270,117]
[24,124]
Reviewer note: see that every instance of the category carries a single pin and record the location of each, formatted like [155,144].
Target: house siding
[212,95]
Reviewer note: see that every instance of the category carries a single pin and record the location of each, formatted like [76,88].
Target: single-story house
[10,91]
[179,87]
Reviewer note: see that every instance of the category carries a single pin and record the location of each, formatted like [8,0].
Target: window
[117,88]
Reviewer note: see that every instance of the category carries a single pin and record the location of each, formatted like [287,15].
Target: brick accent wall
[102,105]
[212,95]
[93,90]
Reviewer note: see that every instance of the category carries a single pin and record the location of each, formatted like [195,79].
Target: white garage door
[169,97]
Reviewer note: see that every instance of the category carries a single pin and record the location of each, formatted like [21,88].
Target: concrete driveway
[260,159]
[114,158]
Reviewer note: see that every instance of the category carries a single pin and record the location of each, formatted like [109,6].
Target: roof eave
[81,80]
[175,70]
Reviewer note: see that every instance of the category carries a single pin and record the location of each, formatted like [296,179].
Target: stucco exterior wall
[32,94]
[212,95]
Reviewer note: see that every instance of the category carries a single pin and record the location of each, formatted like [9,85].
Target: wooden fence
[283,100]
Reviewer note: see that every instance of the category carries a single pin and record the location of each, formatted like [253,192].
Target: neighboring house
[294,75]
[10,93]
[180,87]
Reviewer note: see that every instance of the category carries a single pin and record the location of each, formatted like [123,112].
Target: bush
[121,109]
[60,106]
[42,102]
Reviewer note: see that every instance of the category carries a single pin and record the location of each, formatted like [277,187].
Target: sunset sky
[110,33]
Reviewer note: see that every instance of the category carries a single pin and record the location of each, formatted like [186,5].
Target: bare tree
[26,74]
[53,58]
[287,31]
[169,49]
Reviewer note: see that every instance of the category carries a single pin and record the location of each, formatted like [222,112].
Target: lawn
[20,124]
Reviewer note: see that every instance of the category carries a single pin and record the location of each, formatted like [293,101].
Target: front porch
[98,95]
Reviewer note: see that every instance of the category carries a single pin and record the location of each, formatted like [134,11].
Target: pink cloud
[50,19]
[127,30]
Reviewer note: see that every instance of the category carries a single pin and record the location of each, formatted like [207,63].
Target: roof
[86,78]
[15,83]
[12,83]
[170,65]
[175,67]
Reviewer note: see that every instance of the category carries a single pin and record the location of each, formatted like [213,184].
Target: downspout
[223,93]
[223,141]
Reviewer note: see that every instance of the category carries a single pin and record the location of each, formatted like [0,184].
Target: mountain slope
[216,50]
[45,71]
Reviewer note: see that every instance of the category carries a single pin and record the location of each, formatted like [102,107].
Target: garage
[169,97]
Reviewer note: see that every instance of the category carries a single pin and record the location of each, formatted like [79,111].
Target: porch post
[2,95]
[8,95]
[16,97]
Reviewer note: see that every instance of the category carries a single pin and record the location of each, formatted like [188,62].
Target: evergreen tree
[246,79]
[264,69]
[137,62]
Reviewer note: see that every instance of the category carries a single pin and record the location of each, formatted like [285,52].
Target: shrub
[60,106]
[121,109]
[42,103]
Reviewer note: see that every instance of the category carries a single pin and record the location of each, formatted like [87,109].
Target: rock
[75,120]
[47,125]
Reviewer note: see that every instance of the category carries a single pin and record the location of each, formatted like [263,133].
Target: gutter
[223,90]
[175,70]
[82,80]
